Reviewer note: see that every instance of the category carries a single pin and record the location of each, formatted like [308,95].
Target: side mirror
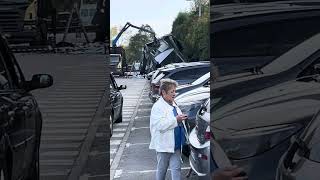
[122,87]
[40,81]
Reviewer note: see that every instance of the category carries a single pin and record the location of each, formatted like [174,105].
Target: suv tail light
[202,156]
[207,134]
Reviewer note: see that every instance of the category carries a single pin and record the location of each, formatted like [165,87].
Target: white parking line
[113,151]
[134,128]
[115,142]
[129,144]
[117,134]
[119,129]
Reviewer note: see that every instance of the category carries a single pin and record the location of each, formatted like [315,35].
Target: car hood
[285,103]
[195,95]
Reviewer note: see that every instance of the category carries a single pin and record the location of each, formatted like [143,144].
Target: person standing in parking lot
[167,131]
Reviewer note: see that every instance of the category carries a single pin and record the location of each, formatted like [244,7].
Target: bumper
[198,164]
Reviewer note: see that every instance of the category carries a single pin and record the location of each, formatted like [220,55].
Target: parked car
[116,100]
[255,130]
[301,160]
[203,81]
[277,27]
[183,74]
[191,101]
[199,139]
[300,61]
[20,119]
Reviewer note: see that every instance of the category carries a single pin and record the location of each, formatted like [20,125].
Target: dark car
[255,130]
[116,100]
[203,81]
[183,74]
[248,35]
[191,101]
[20,119]
[302,161]
[300,61]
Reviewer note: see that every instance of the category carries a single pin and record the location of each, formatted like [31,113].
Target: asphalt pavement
[71,109]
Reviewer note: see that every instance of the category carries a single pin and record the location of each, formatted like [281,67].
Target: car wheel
[111,125]
[34,172]
[119,120]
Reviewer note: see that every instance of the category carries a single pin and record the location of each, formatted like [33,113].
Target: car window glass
[270,39]
[284,36]
[12,66]
[193,73]
[294,56]
[253,40]
[18,74]
[201,79]
[4,76]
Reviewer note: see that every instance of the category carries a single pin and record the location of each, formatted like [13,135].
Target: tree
[136,44]
[193,33]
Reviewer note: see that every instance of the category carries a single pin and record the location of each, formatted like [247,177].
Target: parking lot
[131,157]
[74,133]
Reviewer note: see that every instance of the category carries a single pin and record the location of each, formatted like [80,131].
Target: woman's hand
[181,117]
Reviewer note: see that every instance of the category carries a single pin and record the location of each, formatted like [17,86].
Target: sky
[159,14]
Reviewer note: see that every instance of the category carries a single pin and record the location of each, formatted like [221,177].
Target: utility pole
[198,5]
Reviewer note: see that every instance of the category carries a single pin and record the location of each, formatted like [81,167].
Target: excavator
[118,61]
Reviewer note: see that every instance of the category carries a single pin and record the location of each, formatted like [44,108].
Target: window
[264,39]
[84,12]
[192,74]
[253,40]
[4,76]
[12,66]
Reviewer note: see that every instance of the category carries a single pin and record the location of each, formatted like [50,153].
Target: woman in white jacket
[167,132]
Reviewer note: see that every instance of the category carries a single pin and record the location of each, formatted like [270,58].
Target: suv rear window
[193,73]
[264,39]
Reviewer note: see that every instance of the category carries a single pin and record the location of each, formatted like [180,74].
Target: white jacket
[162,124]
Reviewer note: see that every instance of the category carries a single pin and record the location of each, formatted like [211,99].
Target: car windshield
[201,79]
[114,60]
[294,56]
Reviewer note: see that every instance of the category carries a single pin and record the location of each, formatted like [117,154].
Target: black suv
[20,119]
[246,35]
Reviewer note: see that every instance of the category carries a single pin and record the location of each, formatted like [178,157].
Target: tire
[4,174]
[34,172]
[5,171]
[119,120]
[35,166]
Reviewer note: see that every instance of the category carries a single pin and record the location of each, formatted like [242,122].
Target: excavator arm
[114,42]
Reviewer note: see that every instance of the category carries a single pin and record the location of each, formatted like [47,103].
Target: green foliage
[193,33]
[136,44]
